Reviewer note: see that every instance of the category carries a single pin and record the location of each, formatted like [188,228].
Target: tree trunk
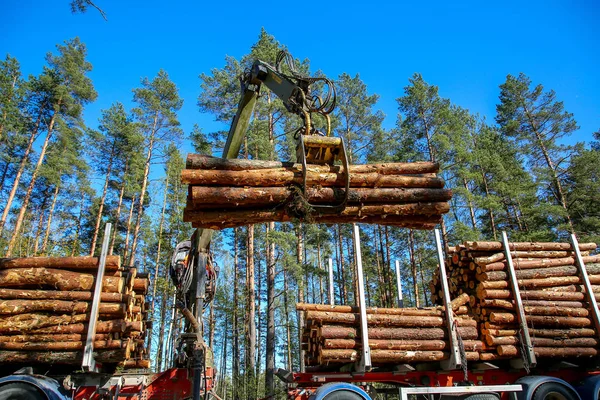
[78,229]
[126,250]
[342,282]
[235,353]
[50,214]
[157,264]
[102,199]
[251,315]
[21,169]
[270,345]
[140,212]
[289,342]
[118,212]
[300,260]
[413,265]
[161,333]
[25,202]
[470,204]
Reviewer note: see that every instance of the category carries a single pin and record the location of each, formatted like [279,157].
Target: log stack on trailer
[331,334]
[554,301]
[228,193]
[45,305]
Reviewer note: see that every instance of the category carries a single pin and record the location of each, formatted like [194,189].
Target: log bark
[414,345]
[113,263]
[59,279]
[563,333]
[201,161]
[207,197]
[223,217]
[13,307]
[412,222]
[562,352]
[432,312]
[539,273]
[541,320]
[538,263]
[66,337]
[285,177]
[349,332]
[66,357]
[63,346]
[527,246]
[62,295]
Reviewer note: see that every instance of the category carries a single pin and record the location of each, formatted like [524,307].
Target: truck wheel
[20,391]
[553,391]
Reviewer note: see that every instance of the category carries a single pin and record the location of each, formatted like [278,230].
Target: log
[143,364]
[208,197]
[113,263]
[538,263]
[562,352]
[12,307]
[337,356]
[26,322]
[541,320]
[527,246]
[531,295]
[65,357]
[349,332]
[286,177]
[140,285]
[62,346]
[62,295]
[399,356]
[65,337]
[532,283]
[412,209]
[412,222]
[563,333]
[55,278]
[459,301]
[414,345]
[201,161]
[434,311]
[539,273]
[545,342]
[373,319]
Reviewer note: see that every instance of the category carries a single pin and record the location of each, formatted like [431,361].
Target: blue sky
[466,48]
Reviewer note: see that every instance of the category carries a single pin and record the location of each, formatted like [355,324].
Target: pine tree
[110,145]
[158,102]
[536,120]
[70,90]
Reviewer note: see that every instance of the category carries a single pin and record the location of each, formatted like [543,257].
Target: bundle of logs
[331,334]
[228,193]
[555,306]
[45,307]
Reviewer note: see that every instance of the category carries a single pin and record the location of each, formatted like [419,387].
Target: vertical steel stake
[88,363]
[529,355]
[455,360]
[365,361]
[331,294]
[399,284]
[589,294]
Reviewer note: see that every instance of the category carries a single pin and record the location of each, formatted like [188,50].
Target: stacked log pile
[331,334]
[45,305]
[554,302]
[229,193]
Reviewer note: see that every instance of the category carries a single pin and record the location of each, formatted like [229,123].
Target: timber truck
[192,374]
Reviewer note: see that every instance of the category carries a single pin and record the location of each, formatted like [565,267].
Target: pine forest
[62,179]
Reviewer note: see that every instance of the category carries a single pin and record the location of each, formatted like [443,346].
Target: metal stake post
[88,363]
[399,283]
[365,361]
[455,360]
[331,294]
[529,355]
[589,294]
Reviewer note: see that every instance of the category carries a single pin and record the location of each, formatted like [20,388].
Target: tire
[343,395]
[21,391]
[553,391]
